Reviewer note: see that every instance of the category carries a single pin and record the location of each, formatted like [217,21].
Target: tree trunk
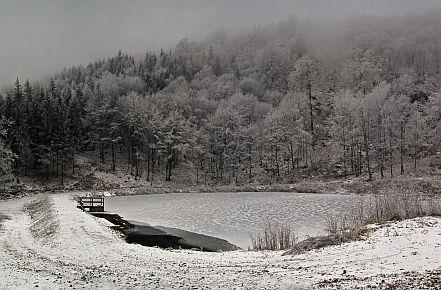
[402,147]
[168,164]
[113,156]
[250,173]
[391,154]
[62,173]
[101,152]
[197,174]
[344,155]
[360,161]
[291,153]
[381,150]
[136,163]
[57,164]
[415,156]
[311,113]
[366,145]
[148,163]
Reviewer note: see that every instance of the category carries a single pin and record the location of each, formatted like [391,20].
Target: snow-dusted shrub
[273,237]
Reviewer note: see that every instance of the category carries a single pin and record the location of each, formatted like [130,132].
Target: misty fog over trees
[296,99]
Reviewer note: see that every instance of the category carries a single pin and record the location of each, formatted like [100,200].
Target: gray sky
[41,37]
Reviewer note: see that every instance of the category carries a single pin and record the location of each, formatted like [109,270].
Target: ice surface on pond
[233,216]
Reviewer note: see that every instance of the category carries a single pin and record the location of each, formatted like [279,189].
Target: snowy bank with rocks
[59,246]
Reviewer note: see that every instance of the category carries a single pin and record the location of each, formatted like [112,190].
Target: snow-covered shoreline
[84,252]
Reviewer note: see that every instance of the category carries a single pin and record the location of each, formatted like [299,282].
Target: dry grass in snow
[378,209]
[273,237]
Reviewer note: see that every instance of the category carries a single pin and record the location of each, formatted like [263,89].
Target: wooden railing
[91,204]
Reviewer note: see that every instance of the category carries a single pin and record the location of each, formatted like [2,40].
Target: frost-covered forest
[296,99]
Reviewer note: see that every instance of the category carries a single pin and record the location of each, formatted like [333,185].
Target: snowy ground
[58,246]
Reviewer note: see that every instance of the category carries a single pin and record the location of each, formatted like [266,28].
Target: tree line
[270,104]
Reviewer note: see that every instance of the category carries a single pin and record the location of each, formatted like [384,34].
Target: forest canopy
[356,97]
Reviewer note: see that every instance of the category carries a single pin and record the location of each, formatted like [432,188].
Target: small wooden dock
[91,204]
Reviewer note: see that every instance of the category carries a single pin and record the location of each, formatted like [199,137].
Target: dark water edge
[165,237]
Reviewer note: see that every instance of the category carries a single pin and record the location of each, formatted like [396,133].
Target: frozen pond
[233,216]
